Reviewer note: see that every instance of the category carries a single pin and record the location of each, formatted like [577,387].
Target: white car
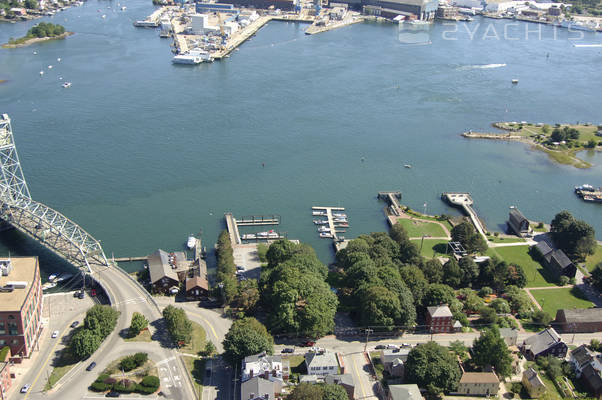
[55,334]
[406,345]
[392,347]
[25,388]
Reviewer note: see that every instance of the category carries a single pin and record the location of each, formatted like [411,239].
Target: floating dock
[257,220]
[464,201]
[332,224]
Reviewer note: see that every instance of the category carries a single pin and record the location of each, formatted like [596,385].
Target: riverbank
[31,41]
[549,139]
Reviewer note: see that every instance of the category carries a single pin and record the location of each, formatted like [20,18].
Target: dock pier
[255,220]
[464,201]
[338,242]
[392,199]
[129,259]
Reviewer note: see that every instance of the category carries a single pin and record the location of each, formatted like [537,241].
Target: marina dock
[464,201]
[237,239]
[332,224]
[392,199]
[258,220]
[242,36]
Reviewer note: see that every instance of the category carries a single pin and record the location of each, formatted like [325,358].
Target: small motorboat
[323,229]
[50,67]
[67,85]
[325,235]
[52,277]
[58,59]
[191,242]
[35,53]
[318,213]
[41,73]
[320,222]
[514,81]
[407,166]
[339,215]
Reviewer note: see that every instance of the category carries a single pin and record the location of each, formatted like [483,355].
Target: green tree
[438,293]
[246,337]
[575,237]
[247,296]
[490,349]
[379,307]
[433,366]
[101,319]
[469,270]
[596,276]
[433,270]
[334,392]
[488,315]
[452,274]
[415,281]
[500,306]
[408,252]
[541,317]
[178,324]
[462,232]
[209,349]
[84,343]
[306,391]
[31,4]
[138,324]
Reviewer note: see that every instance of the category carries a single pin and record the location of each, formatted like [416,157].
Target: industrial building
[20,305]
[284,5]
[420,9]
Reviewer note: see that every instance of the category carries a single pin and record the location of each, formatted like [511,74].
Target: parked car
[309,343]
[112,394]
[240,268]
[91,366]
[288,350]
[93,292]
[25,388]
[81,294]
[393,346]
[380,347]
[75,324]
[406,345]
[55,334]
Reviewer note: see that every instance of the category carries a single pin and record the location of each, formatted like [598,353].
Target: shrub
[140,358]
[516,387]
[133,361]
[145,389]
[99,386]
[485,291]
[150,381]
[564,280]
[109,381]
[125,386]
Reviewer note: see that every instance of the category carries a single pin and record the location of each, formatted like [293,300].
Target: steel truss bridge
[51,228]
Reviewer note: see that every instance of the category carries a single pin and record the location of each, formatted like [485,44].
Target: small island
[561,142]
[39,33]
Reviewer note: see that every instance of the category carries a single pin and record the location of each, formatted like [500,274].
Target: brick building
[439,319]
[20,305]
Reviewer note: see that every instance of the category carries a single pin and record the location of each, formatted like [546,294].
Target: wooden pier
[465,202]
[232,229]
[129,259]
[332,224]
[258,220]
[392,198]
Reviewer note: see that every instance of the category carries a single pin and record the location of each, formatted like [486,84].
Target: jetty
[129,259]
[494,136]
[236,238]
[334,227]
[392,199]
[464,201]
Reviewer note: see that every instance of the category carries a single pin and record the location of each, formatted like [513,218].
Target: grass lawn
[537,275]
[553,299]
[196,369]
[592,261]
[431,247]
[63,365]
[419,228]
[379,368]
[144,336]
[198,340]
[499,239]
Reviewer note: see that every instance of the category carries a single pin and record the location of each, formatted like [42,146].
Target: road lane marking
[358,376]
[33,385]
[208,324]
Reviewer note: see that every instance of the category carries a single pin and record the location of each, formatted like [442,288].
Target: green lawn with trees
[594,259]
[40,31]
[430,248]
[552,300]
[141,376]
[416,228]
[537,275]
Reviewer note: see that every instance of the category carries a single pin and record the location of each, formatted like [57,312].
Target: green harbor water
[142,153]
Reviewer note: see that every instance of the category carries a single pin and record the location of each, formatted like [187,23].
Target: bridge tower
[40,222]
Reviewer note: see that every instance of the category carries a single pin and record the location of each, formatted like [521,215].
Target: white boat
[320,222]
[66,84]
[59,59]
[48,285]
[318,213]
[41,73]
[325,235]
[407,166]
[124,8]
[340,219]
[195,56]
[249,236]
[50,67]
[191,242]
[339,215]
[35,53]
[52,277]
[103,16]
[323,229]
[268,235]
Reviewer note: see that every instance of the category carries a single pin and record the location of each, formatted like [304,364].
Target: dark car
[81,295]
[309,343]
[112,394]
[75,324]
[208,373]
[288,350]
[380,347]
[91,366]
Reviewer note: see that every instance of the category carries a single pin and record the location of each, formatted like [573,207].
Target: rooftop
[479,377]
[582,355]
[405,392]
[159,267]
[339,379]
[439,311]
[196,281]
[24,269]
[576,315]
[325,359]
[256,388]
[542,341]
[508,332]
[533,378]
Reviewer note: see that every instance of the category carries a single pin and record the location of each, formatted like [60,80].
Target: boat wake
[480,66]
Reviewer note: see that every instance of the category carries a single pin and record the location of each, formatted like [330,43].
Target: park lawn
[586,132]
[62,366]
[197,344]
[593,260]
[143,336]
[196,370]
[418,228]
[551,300]
[431,247]
[498,239]
[537,275]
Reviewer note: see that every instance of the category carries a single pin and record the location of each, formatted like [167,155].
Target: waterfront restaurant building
[20,305]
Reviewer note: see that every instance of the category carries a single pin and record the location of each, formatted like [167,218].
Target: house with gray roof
[544,343]
[579,320]
[162,268]
[510,336]
[404,392]
[393,360]
[344,380]
[259,389]
[518,223]
[321,363]
[555,260]
[533,384]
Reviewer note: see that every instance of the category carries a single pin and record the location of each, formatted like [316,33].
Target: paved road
[358,366]
[129,297]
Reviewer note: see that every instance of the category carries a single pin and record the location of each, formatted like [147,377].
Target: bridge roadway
[128,296]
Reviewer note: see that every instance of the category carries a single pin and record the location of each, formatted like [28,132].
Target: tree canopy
[178,324]
[139,323]
[575,237]
[432,366]
[246,337]
[45,29]
[472,241]
[490,349]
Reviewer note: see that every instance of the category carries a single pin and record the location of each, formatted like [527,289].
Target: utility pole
[368,332]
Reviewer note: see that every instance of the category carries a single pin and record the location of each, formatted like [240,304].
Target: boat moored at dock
[192,57]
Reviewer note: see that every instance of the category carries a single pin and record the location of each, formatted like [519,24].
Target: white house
[322,363]
[272,368]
